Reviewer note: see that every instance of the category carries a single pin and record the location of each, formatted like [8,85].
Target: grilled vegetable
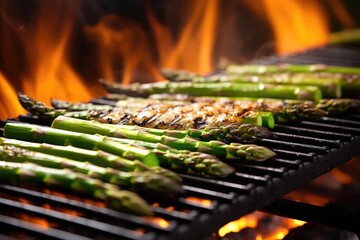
[281,110]
[140,182]
[157,116]
[194,163]
[36,133]
[29,173]
[217,148]
[218,89]
[69,106]
[98,157]
[330,87]
[184,161]
[264,69]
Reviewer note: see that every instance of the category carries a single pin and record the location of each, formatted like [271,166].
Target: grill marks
[177,115]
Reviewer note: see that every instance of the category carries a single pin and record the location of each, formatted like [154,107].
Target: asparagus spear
[218,89]
[69,106]
[35,133]
[217,148]
[161,116]
[194,163]
[330,87]
[98,157]
[142,182]
[190,162]
[29,173]
[264,69]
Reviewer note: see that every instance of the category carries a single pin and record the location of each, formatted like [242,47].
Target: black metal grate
[304,151]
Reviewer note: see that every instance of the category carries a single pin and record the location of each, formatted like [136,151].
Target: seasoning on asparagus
[97,157]
[157,115]
[35,133]
[259,90]
[29,173]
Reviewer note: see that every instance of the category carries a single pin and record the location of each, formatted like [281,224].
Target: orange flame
[39,62]
[123,44]
[193,50]
[43,223]
[297,25]
[9,105]
[280,226]
[159,221]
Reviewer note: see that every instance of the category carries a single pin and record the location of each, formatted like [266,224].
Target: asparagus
[330,88]
[336,106]
[218,89]
[194,163]
[190,162]
[213,147]
[98,158]
[29,173]
[69,106]
[265,69]
[161,116]
[140,182]
[35,133]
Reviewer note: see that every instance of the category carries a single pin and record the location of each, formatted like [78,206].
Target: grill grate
[304,151]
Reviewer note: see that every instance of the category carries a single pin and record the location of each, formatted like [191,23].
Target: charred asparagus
[140,182]
[29,173]
[217,148]
[98,157]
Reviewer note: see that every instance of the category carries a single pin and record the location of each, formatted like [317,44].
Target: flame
[43,223]
[279,228]
[158,221]
[123,44]
[297,25]
[193,50]
[40,62]
[9,106]
[202,201]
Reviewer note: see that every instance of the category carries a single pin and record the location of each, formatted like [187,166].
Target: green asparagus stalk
[29,173]
[265,69]
[194,163]
[189,162]
[71,107]
[218,89]
[128,116]
[330,87]
[336,106]
[141,182]
[98,157]
[217,148]
[35,133]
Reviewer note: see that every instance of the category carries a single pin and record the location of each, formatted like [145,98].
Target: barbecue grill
[304,150]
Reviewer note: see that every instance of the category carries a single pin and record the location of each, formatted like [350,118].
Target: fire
[193,49]
[9,106]
[159,221]
[123,44]
[274,227]
[39,64]
[297,25]
[41,222]
[201,201]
